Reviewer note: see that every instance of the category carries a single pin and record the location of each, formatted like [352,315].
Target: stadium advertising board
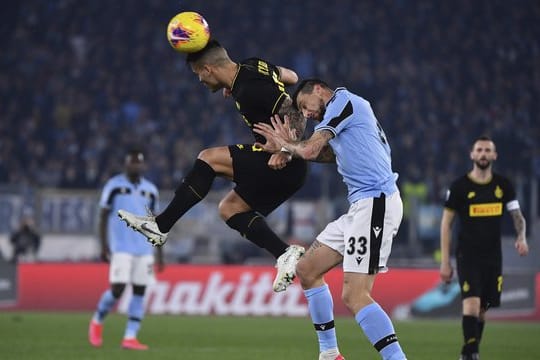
[247,290]
[8,283]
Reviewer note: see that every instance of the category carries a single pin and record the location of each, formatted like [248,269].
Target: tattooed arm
[279,138]
[326,155]
[519,225]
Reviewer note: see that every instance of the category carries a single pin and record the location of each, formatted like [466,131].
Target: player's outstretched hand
[272,144]
[521,246]
[276,135]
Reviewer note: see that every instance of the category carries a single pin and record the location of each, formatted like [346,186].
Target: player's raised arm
[287,76]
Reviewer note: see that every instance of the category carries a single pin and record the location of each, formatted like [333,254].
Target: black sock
[193,189]
[480,329]
[253,227]
[470,334]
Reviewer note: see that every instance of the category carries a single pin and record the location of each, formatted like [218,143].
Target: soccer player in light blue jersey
[350,135]
[131,257]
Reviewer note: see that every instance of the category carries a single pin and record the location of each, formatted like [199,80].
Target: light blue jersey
[360,145]
[120,193]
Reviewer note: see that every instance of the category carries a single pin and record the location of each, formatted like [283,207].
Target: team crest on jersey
[471,194]
[498,192]
[466,287]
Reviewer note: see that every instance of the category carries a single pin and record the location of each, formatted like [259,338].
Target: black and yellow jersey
[258,92]
[480,207]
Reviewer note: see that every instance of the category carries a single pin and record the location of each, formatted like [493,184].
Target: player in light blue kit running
[131,257]
[350,135]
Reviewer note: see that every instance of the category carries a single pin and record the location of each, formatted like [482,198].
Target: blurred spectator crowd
[82,80]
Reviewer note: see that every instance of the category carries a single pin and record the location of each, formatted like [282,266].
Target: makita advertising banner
[247,291]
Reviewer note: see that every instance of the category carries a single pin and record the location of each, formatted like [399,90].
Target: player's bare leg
[316,262]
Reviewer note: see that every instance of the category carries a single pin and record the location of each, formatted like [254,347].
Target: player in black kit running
[258,89]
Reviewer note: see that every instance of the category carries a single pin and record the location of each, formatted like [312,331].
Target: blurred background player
[258,89]
[479,199]
[350,135]
[131,257]
[26,240]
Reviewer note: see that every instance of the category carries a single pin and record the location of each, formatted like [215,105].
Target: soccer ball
[188,32]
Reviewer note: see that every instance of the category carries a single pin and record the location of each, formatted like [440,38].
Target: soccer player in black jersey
[258,89]
[479,199]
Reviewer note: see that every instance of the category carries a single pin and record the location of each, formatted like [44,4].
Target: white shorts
[365,233]
[131,269]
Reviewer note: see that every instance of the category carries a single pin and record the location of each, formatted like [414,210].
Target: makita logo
[249,294]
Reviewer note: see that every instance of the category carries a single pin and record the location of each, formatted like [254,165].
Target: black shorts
[261,187]
[483,280]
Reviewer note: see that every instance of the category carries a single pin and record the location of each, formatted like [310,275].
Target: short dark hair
[306,87]
[196,56]
[483,138]
[134,152]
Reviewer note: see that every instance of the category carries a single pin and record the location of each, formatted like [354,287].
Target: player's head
[483,152]
[134,163]
[207,62]
[310,98]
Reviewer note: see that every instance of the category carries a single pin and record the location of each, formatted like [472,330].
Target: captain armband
[512,205]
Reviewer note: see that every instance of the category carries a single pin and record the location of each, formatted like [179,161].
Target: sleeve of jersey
[510,197]
[451,198]
[104,200]
[337,116]
[155,205]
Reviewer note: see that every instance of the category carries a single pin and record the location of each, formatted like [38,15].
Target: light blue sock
[105,304]
[321,309]
[379,330]
[135,313]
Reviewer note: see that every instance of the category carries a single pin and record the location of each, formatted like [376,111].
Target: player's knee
[139,290]
[117,290]
[355,299]
[305,274]
[224,210]
[205,155]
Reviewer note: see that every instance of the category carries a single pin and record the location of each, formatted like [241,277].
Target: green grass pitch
[63,336]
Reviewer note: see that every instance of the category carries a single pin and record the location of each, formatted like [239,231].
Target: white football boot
[286,267]
[146,225]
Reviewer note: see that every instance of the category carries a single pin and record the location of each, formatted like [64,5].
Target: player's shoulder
[256,63]
[149,185]
[460,182]
[501,178]
[116,180]
[251,61]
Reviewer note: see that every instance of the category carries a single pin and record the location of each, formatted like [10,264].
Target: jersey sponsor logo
[471,194]
[498,192]
[487,209]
